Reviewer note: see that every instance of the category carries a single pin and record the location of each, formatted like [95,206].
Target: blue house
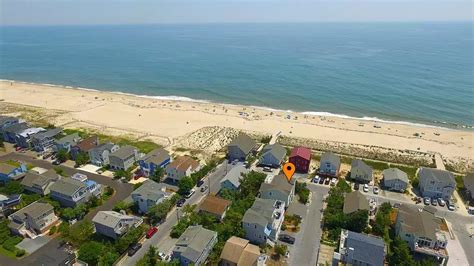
[65,143]
[10,172]
[6,121]
[11,132]
[154,160]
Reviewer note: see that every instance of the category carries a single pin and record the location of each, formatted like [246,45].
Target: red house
[300,157]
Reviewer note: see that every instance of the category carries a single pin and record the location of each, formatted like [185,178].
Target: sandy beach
[209,126]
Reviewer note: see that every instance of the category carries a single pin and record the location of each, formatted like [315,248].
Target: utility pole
[177,214]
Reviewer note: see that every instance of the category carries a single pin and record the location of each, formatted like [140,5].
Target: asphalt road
[53,248]
[162,237]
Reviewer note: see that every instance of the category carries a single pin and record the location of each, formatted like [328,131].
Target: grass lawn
[7,253]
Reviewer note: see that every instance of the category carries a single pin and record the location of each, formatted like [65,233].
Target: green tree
[2,145]
[150,258]
[158,175]
[90,252]
[159,212]
[185,185]
[68,214]
[12,187]
[400,253]
[82,158]
[59,170]
[122,205]
[357,221]
[122,173]
[62,155]
[80,233]
[280,250]
[108,258]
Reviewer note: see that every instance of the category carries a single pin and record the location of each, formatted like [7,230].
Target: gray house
[194,245]
[240,147]
[10,132]
[149,194]
[6,121]
[40,183]
[66,142]
[435,183]
[272,155]
[99,155]
[33,219]
[123,158]
[262,222]
[360,171]
[355,201]
[232,179]
[330,164]
[70,192]
[360,249]
[114,224]
[44,141]
[24,137]
[278,189]
[469,184]
[395,179]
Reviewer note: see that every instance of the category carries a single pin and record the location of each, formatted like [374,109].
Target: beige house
[239,252]
[215,206]
[181,167]
[33,219]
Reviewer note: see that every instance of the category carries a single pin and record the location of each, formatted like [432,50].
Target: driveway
[31,245]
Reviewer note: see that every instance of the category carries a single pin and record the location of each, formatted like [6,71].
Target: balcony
[440,253]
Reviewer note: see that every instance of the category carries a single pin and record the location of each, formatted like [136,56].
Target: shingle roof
[151,190]
[302,152]
[421,222]
[71,139]
[276,150]
[31,131]
[16,128]
[331,157]
[395,174]
[34,210]
[124,152]
[102,147]
[244,142]
[183,163]
[48,134]
[469,181]
[109,218]
[355,201]
[432,174]
[214,205]
[157,156]
[279,182]
[261,212]
[240,251]
[235,175]
[368,249]
[194,241]
[67,186]
[31,179]
[88,143]
[5,119]
[356,163]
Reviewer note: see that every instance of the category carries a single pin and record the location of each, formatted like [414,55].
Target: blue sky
[67,12]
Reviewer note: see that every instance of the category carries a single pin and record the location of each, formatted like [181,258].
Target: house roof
[124,152]
[438,175]
[41,180]
[261,212]
[276,150]
[183,163]
[395,174]
[157,156]
[421,222]
[192,243]
[366,248]
[31,131]
[355,201]
[16,128]
[6,119]
[356,163]
[214,205]
[88,143]
[71,139]
[102,147]
[34,210]
[239,251]
[244,142]
[331,157]
[469,181]
[235,175]
[302,152]
[50,133]
[151,190]
[67,186]
[6,168]
[279,182]
[110,218]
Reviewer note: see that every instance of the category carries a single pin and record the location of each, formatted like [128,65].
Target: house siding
[301,164]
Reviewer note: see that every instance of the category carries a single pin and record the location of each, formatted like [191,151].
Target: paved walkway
[439,162]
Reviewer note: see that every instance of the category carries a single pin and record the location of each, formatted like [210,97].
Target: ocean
[409,72]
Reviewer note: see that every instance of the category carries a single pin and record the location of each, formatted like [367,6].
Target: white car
[190,193]
[287,254]
[316,179]
[376,190]
[366,188]
[333,181]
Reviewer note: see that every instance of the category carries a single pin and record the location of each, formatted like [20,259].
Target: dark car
[200,183]
[134,248]
[180,202]
[356,186]
[57,162]
[287,239]
[326,182]
[321,180]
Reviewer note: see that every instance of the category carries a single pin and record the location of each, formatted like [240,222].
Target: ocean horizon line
[444,125]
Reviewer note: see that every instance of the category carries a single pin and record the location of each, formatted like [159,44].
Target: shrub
[20,252]
[11,242]
[52,230]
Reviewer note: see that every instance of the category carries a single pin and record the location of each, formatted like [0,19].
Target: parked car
[57,162]
[326,182]
[134,248]
[366,188]
[376,190]
[427,201]
[434,202]
[163,256]
[441,202]
[180,202]
[397,205]
[333,181]
[204,188]
[200,183]
[151,232]
[287,254]
[287,239]
[450,205]
[316,179]
[356,186]
[190,193]
[267,169]
[321,180]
